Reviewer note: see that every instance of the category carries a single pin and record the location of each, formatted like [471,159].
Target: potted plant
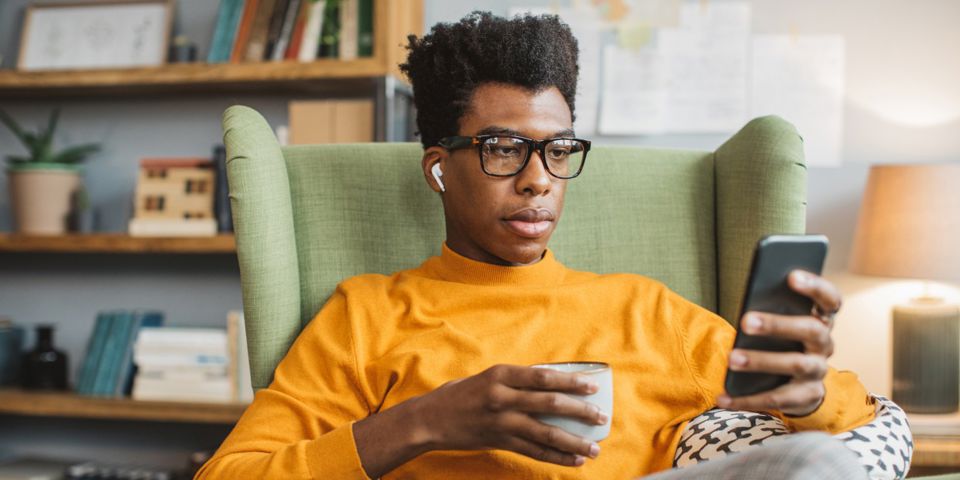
[43,181]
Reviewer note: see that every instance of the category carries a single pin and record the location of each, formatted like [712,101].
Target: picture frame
[95,34]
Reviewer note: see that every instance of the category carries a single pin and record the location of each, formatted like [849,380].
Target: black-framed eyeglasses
[507,155]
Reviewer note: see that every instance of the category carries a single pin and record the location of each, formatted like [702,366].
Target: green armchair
[308,217]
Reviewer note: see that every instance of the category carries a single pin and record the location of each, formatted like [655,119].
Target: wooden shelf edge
[51,404]
[936,452]
[116,243]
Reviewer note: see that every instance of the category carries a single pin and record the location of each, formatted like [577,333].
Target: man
[425,373]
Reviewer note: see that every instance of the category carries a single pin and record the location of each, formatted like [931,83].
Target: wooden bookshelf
[48,404]
[116,243]
[393,21]
[936,452]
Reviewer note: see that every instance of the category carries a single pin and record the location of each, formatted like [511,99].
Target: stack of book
[303,30]
[108,369]
[182,364]
[193,364]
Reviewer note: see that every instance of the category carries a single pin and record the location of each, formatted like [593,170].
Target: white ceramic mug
[602,375]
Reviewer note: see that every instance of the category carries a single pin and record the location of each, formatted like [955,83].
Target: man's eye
[505,151]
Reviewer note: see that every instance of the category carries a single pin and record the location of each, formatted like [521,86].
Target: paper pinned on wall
[692,80]
[587,26]
[634,99]
[801,78]
[707,59]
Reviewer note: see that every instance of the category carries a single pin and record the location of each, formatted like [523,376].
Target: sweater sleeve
[301,426]
[708,340]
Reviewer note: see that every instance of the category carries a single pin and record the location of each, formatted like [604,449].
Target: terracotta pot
[40,197]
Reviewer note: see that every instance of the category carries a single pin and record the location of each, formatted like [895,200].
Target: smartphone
[768,291]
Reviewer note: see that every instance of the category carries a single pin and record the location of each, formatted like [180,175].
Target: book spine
[127,367]
[219,31]
[365,28]
[330,34]
[259,31]
[250,8]
[106,359]
[88,370]
[348,30]
[230,31]
[277,18]
[296,38]
[286,31]
[310,45]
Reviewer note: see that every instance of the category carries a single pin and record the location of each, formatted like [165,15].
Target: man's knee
[811,455]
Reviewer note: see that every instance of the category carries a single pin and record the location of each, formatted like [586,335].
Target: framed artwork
[104,34]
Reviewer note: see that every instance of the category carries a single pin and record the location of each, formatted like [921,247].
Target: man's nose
[534,179]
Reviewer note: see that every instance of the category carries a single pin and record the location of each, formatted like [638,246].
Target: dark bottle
[45,368]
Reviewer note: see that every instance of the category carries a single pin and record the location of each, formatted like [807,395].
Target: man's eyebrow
[494,130]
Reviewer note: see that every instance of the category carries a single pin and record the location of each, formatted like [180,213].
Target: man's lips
[530,222]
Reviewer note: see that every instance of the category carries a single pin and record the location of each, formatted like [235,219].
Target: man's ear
[433,156]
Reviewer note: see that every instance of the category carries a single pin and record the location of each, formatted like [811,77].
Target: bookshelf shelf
[321,76]
[47,404]
[116,243]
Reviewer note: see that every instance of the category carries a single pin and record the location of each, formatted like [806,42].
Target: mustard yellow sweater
[380,340]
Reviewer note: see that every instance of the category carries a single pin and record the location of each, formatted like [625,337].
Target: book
[277,17]
[182,364]
[348,30]
[365,28]
[296,38]
[330,30]
[286,30]
[163,227]
[215,391]
[124,378]
[98,337]
[228,18]
[310,44]
[242,39]
[112,353]
[257,44]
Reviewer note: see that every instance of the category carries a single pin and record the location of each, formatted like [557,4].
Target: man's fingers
[552,403]
[798,365]
[814,334]
[795,398]
[530,378]
[824,293]
[556,438]
[542,453]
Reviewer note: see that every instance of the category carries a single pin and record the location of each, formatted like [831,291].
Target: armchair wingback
[308,217]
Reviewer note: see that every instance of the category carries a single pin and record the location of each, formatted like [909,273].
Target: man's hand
[805,392]
[490,410]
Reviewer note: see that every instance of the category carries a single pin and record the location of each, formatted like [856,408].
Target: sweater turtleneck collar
[453,267]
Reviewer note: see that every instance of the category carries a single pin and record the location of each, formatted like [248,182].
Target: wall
[903,105]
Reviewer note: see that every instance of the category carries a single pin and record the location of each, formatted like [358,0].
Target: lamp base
[926,356]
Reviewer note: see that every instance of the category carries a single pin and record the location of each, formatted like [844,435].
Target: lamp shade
[909,223]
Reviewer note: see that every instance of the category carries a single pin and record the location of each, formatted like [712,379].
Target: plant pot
[40,197]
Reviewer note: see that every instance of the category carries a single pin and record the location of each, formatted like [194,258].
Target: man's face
[503,220]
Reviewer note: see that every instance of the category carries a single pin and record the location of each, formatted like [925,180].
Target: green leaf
[75,154]
[46,138]
[11,124]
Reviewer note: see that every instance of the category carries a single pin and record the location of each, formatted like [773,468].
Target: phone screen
[768,291]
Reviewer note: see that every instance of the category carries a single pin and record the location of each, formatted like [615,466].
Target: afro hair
[449,63]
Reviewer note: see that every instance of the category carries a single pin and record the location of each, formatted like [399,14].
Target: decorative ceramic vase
[45,368]
[40,195]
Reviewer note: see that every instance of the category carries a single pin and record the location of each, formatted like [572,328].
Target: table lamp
[909,227]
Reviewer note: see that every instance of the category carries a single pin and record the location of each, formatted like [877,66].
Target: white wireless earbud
[437,173]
